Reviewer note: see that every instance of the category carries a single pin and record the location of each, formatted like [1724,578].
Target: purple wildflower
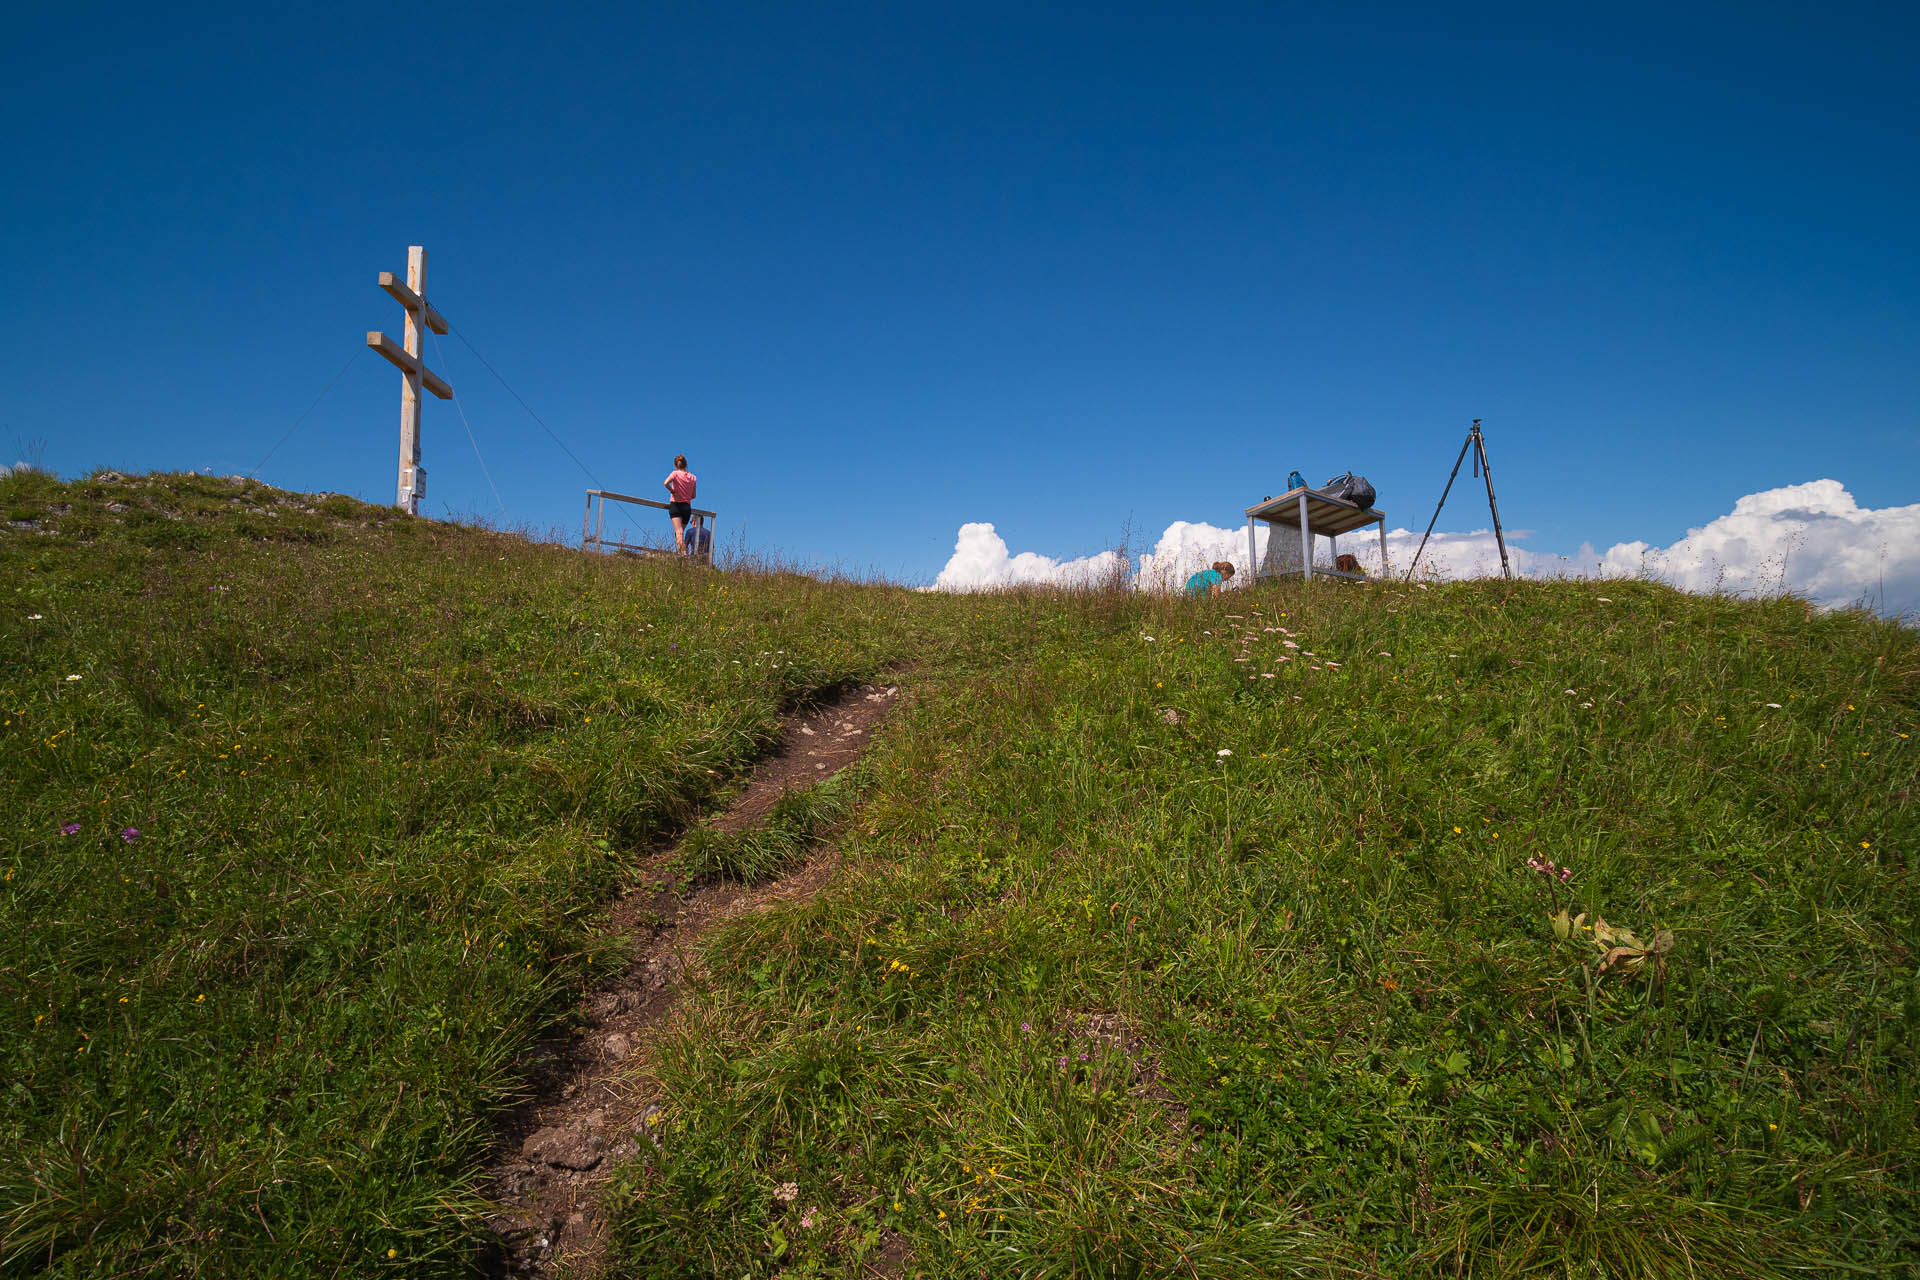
[1026,1027]
[70,829]
[130,834]
[1551,872]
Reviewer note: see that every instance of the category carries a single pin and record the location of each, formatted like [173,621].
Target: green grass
[1087,998]
[383,774]
[1300,1009]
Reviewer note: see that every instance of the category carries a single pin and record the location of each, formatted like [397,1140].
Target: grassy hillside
[311,808]
[1150,961]
[1091,997]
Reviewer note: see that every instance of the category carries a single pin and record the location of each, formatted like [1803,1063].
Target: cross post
[413,371]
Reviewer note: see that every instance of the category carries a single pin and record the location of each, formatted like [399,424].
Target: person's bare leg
[679,535]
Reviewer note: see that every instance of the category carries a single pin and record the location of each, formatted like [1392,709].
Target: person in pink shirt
[681,484]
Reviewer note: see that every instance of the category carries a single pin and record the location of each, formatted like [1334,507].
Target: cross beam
[407,364]
[414,373]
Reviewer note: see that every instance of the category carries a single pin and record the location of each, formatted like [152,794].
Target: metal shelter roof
[1327,517]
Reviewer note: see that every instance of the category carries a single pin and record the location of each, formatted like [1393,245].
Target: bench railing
[593,532]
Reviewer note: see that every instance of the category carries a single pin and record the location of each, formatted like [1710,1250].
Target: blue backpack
[1296,481]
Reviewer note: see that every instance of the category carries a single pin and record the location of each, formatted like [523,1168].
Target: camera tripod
[1481,467]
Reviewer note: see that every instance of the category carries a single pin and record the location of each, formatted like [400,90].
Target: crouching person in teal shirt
[1207,582]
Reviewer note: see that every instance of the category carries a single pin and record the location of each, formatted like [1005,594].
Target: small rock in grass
[562,1148]
[618,1046]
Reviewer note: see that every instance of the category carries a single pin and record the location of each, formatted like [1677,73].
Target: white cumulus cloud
[1813,540]
[981,562]
[1474,554]
[1810,539]
[1188,546]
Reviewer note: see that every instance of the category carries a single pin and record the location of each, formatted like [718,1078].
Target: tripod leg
[1486,469]
[1453,475]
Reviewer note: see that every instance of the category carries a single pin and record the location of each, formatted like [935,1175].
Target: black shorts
[681,511]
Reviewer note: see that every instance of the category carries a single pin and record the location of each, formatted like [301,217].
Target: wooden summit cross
[413,371]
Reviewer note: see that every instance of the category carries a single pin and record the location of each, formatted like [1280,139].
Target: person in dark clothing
[699,539]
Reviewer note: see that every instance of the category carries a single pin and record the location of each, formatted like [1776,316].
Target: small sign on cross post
[413,370]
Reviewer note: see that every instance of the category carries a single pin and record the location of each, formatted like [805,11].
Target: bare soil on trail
[593,1097]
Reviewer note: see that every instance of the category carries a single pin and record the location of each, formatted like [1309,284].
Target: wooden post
[412,484]
[1306,541]
[414,374]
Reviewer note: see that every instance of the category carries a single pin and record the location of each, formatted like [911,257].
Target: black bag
[1348,487]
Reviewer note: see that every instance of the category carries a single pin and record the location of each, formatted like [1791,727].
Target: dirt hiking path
[592,1093]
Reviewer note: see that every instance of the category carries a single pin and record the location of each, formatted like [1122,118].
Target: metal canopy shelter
[1314,514]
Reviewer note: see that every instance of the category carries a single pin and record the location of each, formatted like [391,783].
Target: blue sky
[882,270]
